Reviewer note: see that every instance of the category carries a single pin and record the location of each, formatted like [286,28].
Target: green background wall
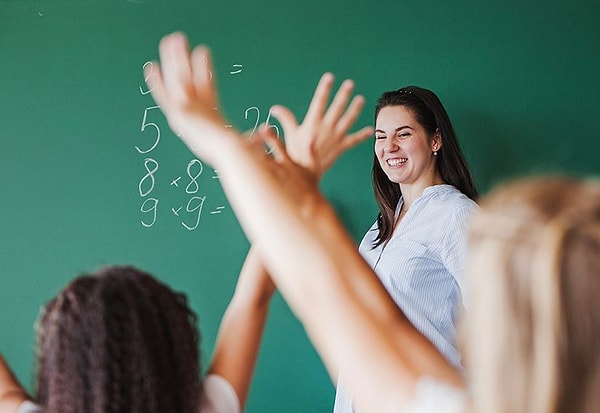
[519,80]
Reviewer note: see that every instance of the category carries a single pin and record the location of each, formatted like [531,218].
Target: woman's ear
[436,143]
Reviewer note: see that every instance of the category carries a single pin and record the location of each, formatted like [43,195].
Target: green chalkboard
[86,181]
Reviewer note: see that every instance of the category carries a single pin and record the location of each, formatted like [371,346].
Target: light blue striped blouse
[422,268]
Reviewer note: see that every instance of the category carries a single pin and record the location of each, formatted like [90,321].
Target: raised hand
[184,88]
[323,135]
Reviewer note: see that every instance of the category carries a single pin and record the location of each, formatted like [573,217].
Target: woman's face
[403,147]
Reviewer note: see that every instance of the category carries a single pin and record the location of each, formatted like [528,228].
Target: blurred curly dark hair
[118,340]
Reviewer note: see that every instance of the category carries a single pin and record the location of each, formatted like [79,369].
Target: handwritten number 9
[193,208]
[152,208]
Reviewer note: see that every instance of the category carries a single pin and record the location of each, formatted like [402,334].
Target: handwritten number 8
[149,175]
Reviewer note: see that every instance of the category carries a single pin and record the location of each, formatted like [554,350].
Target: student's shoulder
[28,407]
[219,396]
[432,396]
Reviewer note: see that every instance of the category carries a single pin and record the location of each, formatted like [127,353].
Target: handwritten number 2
[150,73]
[257,119]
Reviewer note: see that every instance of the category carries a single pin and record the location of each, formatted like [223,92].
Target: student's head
[532,330]
[427,148]
[118,340]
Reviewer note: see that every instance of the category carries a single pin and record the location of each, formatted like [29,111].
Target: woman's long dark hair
[451,163]
[118,341]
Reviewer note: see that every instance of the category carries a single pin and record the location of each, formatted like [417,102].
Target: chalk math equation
[188,213]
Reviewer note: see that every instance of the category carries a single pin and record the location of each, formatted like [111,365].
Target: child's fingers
[351,115]
[320,98]
[286,118]
[272,141]
[154,80]
[203,74]
[248,134]
[176,68]
[339,102]
[357,137]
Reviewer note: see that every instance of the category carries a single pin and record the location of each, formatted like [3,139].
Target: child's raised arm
[12,395]
[242,327]
[304,246]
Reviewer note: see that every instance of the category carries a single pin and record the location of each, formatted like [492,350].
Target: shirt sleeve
[28,407]
[219,396]
[432,396]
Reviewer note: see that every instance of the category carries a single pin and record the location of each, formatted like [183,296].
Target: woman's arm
[242,327]
[348,315]
[11,392]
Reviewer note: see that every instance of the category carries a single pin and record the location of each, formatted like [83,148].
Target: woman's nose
[390,145]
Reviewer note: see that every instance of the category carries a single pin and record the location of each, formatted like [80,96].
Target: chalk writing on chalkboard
[256,111]
[189,212]
[236,69]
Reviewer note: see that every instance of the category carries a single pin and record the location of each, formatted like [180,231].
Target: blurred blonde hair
[532,344]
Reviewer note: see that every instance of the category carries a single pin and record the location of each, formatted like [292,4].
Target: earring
[434,153]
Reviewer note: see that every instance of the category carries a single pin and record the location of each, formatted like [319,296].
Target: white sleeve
[28,407]
[219,396]
[432,396]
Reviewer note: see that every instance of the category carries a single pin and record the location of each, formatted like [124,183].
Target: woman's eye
[379,137]
[403,135]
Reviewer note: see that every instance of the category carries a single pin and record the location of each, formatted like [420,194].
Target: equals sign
[218,210]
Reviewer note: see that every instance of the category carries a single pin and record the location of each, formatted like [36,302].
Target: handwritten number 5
[146,124]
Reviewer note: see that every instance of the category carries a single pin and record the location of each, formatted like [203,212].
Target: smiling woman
[404,148]
[425,195]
